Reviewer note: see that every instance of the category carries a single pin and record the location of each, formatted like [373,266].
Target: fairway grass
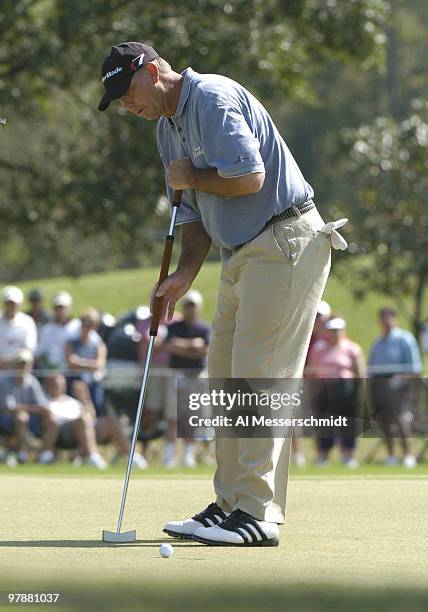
[335,469]
[349,544]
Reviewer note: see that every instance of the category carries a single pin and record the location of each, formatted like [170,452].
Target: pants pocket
[284,241]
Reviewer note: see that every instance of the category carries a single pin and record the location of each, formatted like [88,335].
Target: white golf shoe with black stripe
[211,516]
[239,529]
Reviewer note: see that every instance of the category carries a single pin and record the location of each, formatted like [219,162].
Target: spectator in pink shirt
[318,333]
[340,364]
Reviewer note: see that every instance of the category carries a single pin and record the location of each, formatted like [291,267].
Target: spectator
[318,332]
[9,429]
[17,330]
[424,337]
[394,361]
[339,363]
[123,370]
[318,335]
[24,407]
[187,343]
[54,335]
[86,356]
[76,423]
[157,402]
[108,428]
[39,315]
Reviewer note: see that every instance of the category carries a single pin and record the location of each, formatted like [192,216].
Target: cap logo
[111,73]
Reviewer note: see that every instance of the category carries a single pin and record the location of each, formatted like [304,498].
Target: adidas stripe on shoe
[239,529]
[211,516]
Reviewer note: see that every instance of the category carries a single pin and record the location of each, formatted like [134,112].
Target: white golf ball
[166,550]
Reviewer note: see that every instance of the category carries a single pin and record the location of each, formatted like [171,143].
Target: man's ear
[152,69]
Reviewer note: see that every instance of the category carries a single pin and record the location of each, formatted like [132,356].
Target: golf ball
[166,550]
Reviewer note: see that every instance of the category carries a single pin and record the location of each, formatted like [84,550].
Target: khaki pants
[266,307]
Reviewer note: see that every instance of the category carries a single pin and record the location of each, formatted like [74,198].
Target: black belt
[289,213]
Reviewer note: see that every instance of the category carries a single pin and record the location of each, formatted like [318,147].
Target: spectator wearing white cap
[17,330]
[339,363]
[24,403]
[55,334]
[187,343]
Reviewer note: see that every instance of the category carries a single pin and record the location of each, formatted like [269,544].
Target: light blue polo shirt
[219,124]
[396,353]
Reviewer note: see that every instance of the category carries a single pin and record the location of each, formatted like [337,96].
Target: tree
[388,169]
[66,169]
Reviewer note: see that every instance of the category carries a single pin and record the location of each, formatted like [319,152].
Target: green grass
[118,291]
[349,544]
[334,470]
[374,469]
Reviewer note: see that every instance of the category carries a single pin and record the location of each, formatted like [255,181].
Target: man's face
[190,312]
[88,323]
[62,313]
[36,304]
[388,321]
[144,96]
[23,367]
[11,309]
[334,335]
[55,386]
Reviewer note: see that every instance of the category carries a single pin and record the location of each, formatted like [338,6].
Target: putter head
[119,538]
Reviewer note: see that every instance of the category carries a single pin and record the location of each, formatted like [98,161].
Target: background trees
[81,191]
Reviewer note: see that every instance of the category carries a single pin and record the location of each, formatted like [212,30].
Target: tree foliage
[68,171]
[389,171]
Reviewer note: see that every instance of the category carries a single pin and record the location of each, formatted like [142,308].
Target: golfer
[243,191]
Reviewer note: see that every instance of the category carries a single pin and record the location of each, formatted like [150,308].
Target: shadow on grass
[94,543]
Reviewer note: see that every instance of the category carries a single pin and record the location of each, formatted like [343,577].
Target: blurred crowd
[386,382]
[71,384]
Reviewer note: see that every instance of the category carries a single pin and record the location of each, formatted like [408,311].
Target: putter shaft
[136,429]
[157,312]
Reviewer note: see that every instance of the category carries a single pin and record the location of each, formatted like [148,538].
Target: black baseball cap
[119,67]
[35,295]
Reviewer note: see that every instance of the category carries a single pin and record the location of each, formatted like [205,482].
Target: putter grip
[166,260]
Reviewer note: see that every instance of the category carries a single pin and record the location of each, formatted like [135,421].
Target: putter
[118,537]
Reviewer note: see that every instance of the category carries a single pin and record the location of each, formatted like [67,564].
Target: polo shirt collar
[188,76]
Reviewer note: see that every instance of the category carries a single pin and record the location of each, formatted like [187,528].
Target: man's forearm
[192,352]
[209,181]
[192,348]
[195,246]
[30,408]
[182,174]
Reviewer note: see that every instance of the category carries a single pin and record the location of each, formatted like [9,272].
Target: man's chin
[147,117]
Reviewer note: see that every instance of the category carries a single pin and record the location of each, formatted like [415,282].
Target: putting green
[363,542]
